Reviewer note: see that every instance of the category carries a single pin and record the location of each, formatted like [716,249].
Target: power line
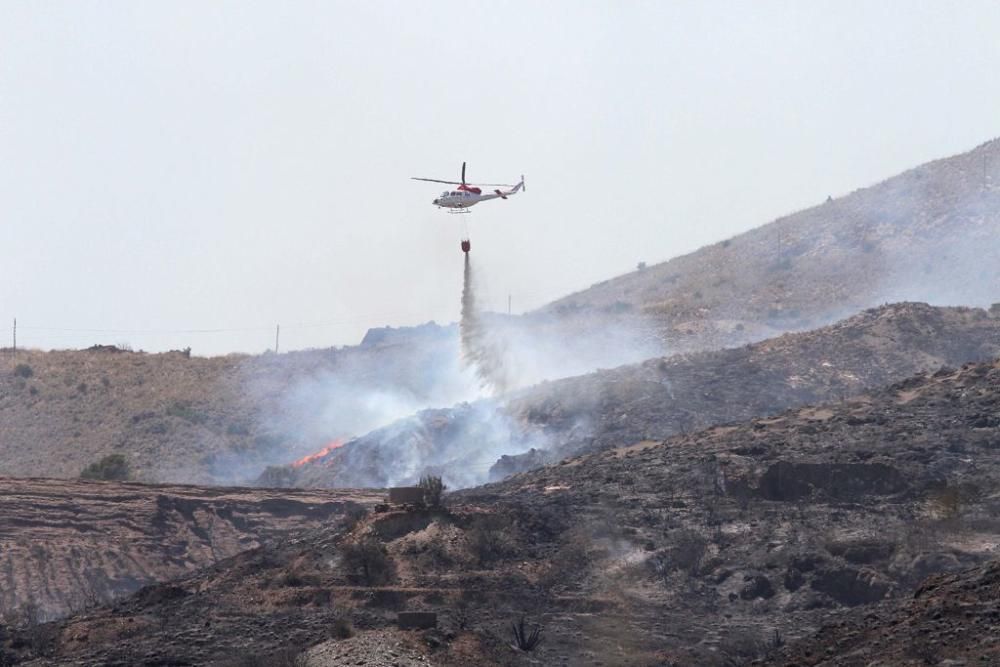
[144,331]
[304,325]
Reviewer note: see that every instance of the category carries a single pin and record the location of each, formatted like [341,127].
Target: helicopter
[469,194]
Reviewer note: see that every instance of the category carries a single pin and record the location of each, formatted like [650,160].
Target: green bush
[23,371]
[111,467]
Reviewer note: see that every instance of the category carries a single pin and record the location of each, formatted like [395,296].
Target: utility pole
[277,332]
[15,338]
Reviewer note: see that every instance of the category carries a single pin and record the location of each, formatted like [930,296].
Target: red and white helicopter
[470,194]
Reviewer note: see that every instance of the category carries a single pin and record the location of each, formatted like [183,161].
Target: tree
[433,490]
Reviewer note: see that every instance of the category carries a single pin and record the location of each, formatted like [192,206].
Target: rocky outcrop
[950,620]
[787,481]
[850,586]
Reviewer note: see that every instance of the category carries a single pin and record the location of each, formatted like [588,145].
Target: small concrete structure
[416,620]
[406,495]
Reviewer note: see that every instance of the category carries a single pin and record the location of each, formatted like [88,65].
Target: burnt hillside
[657,398]
[950,620]
[692,550]
[798,520]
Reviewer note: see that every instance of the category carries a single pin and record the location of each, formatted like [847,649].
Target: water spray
[479,349]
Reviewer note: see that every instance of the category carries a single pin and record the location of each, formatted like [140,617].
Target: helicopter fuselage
[468,195]
[461,198]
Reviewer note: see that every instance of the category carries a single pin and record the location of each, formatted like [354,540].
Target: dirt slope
[689,551]
[67,544]
[928,234]
[192,419]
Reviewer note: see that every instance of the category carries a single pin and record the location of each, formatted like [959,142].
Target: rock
[416,620]
[788,481]
[756,586]
[850,586]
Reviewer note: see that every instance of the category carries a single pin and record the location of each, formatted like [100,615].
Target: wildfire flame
[309,458]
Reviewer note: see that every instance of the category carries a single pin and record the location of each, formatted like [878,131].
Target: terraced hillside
[692,550]
[65,545]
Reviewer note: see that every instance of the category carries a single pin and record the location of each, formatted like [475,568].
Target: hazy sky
[180,166]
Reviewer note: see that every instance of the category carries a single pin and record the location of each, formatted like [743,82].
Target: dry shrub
[368,556]
[295,579]
[342,629]
[353,515]
[685,553]
[747,648]
[436,552]
[491,540]
[111,467]
[946,502]
[574,558]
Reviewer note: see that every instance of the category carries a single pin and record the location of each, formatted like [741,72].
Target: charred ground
[692,550]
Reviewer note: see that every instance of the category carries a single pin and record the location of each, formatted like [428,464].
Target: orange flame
[309,458]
